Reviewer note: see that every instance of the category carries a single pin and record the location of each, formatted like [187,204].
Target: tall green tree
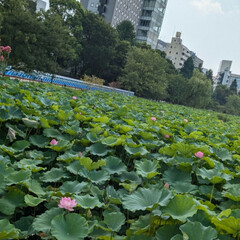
[209,74]
[177,89]
[72,14]
[144,74]
[233,87]
[188,68]
[125,31]
[199,90]
[233,105]
[99,46]
[221,93]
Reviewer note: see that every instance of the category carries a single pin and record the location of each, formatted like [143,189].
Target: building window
[92,5]
[170,52]
[176,52]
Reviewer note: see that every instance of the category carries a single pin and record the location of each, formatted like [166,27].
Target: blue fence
[64,81]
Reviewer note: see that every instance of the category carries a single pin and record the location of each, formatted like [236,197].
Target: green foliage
[128,180]
[233,105]
[221,93]
[125,31]
[144,74]
[188,68]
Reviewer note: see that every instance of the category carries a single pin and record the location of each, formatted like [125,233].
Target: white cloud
[208,6]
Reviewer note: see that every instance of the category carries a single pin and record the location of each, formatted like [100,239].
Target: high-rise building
[145,15]
[225,76]
[42,4]
[91,5]
[150,21]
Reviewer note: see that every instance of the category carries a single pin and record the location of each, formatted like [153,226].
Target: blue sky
[209,27]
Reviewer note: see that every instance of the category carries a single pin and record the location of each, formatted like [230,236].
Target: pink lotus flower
[7,49]
[199,154]
[79,154]
[67,203]
[185,120]
[167,136]
[74,97]
[153,119]
[162,112]
[2,58]
[5,85]
[166,185]
[54,142]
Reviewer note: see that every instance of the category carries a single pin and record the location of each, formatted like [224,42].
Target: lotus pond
[93,165]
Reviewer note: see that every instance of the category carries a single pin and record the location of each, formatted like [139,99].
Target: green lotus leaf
[94,176]
[2,184]
[94,137]
[115,165]
[52,133]
[14,198]
[114,220]
[39,140]
[62,145]
[179,180]
[88,202]
[130,187]
[7,230]
[196,231]
[167,232]
[18,177]
[113,195]
[130,177]
[9,150]
[20,145]
[112,141]
[146,199]
[90,165]
[68,157]
[101,119]
[223,154]
[181,207]
[214,175]
[35,155]
[177,237]
[69,227]
[42,223]
[136,151]
[44,123]
[232,192]
[14,113]
[54,175]
[147,168]
[25,225]
[125,129]
[32,201]
[64,115]
[75,167]
[230,225]
[4,115]
[142,225]
[140,237]
[34,187]
[30,123]
[46,101]
[98,149]
[72,187]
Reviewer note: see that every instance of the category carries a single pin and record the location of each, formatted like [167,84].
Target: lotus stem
[212,193]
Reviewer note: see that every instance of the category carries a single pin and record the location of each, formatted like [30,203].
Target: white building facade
[225,76]
[42,4]
[178,53]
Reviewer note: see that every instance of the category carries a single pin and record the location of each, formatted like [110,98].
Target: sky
[210,28]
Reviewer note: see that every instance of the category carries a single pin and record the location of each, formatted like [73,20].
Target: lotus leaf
[181,207]
[69,227]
